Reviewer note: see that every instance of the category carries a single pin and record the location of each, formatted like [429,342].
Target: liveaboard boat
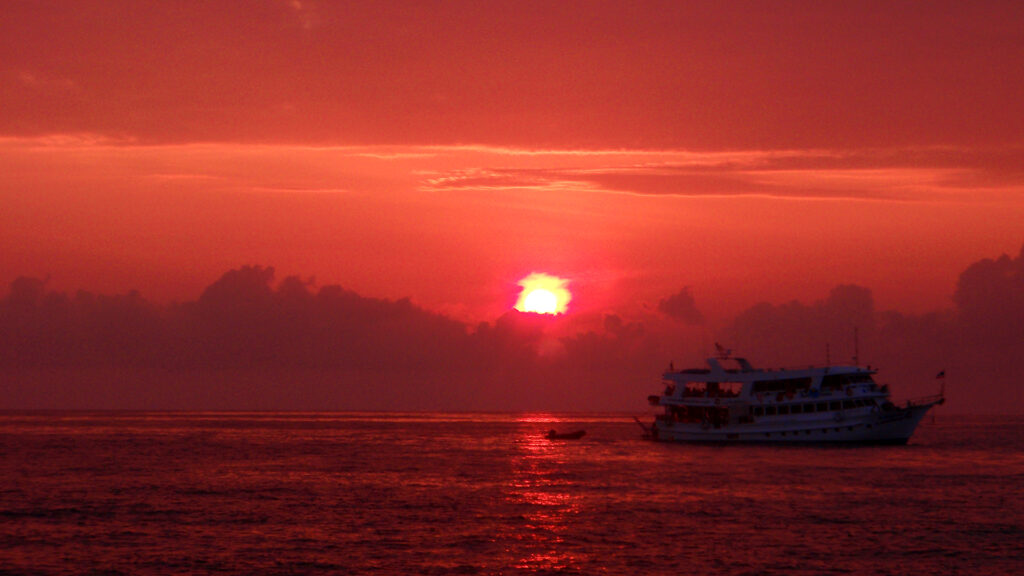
[731,401]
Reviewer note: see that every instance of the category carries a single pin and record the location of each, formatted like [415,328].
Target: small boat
[554,435]
[828,404]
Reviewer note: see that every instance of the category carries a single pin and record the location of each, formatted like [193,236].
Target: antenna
[856,346]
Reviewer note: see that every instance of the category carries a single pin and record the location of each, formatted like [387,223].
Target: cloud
[909,175]
[43,82]
[251,341]
[976,342]
[899,174]
[241,320]
[260,335]
[800,333]
[989,300]
[681,307]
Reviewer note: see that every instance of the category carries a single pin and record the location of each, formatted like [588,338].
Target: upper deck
[745,381]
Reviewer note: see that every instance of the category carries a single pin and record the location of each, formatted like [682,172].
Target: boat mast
[856,347]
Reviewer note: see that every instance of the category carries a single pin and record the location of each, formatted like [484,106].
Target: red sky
[751,151]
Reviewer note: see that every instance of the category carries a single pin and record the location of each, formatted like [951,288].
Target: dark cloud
[241,320]
[287,345]
[977,342]
[990,300]
[682,307]
[798,333]
[250,342]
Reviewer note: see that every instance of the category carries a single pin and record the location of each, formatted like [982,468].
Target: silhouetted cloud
[241,320]
[977,342]
[251,342]
[990,300]
[682,307]
[798,332]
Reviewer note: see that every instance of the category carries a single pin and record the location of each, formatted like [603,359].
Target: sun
[540,301]
[543,294]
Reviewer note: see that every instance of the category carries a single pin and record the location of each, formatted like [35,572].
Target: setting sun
[543,294]
[541,301]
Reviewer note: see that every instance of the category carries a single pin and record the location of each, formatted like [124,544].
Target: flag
[940,375]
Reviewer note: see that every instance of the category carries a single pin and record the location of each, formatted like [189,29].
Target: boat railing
[926,400]
[699,393]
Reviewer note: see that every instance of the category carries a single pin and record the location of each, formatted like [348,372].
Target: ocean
[439,493]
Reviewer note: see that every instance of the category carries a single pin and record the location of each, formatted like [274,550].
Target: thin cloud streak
[821,175]
[915,175]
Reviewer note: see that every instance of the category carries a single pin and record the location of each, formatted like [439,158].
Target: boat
[554,435]
[731,401]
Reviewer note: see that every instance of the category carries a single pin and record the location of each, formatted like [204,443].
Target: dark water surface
[362,493]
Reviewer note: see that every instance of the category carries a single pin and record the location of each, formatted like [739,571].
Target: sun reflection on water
[548,498]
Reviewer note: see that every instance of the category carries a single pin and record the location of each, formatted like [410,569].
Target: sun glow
[543,294]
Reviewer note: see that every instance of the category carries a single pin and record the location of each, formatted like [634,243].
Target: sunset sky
[736,160]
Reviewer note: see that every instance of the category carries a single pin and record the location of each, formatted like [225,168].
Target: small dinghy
[554,435]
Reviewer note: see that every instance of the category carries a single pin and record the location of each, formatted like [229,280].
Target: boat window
[782,385]
[833,381]
[784,409]
[808,408]
[713,389]
[769,411]
[822,406]
[796,409]
[834,405]
[837,381]
[758,411]
[848,404]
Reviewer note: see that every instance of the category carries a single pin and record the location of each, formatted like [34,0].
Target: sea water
[435,493]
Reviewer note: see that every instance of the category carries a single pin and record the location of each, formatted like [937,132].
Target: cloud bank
[249,341]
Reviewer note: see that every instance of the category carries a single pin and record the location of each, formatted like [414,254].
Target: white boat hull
[895,427]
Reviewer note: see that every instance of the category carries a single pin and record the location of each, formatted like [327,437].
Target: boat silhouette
[555,435]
